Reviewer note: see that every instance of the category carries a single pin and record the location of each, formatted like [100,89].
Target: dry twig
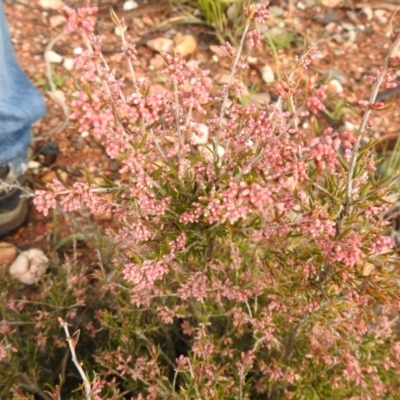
[72,342]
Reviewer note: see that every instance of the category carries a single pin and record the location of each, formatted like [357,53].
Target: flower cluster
[258,12]
[388,79]
[254,38]
[252,245]
[77,20]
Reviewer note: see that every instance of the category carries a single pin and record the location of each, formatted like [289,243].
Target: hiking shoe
[13,207]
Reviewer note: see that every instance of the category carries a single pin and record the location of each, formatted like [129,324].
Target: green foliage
[389,165]
[59,81]
[281,40]
[214,13]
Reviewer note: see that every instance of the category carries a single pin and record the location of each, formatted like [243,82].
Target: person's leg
[20,106]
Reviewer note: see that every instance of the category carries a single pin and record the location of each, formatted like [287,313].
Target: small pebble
[29,266]
[300,6]
[53,57]
[381,16]
[79,144]
[336,86]
[68,64]
[160,44]
[77,51]
[267,74]
[252,60]
[51,4]
[33,165]
[129,5]
[186,45]
[8,253]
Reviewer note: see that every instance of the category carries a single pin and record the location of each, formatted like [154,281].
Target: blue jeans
[20,105]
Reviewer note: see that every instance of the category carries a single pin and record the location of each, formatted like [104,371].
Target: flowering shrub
[254,251]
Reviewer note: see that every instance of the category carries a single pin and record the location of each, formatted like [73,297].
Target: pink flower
[314,104]
[254,38]
[258,12]
[44,201]
[78,21]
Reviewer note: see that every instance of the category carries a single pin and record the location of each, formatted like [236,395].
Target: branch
[361,129]
[53,89]
[231,79]
[72,344]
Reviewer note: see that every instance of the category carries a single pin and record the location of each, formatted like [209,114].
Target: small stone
[301,6]
[8,253]
[331,27]
[49,153]
[267,74]
[381,16]
[49,176]
[33,165]
[160,44]
[53,57]
[352,35]
[79,144]
[330,3]
[68,64]
[51,4]
[349,126]
[57,20]
[335,86]
[232,13]
[77,51]
[129,5]
[147,21]
[252,60]
[215,49]
[368,13]
[187,45]
[29,266]
[63,175]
